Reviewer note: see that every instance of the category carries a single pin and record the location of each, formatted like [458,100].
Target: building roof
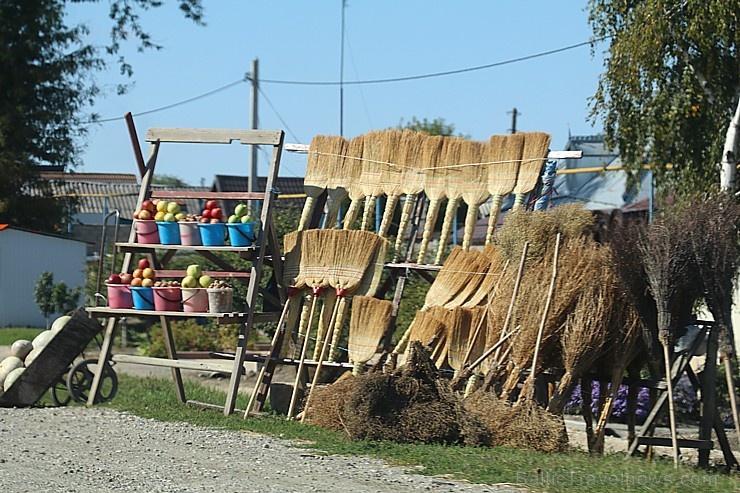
[596,190]
[90,177]
[231,183]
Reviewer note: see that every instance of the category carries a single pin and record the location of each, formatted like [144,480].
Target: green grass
[571,471]
[11,334]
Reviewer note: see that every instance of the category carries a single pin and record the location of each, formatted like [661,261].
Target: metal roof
[90,177]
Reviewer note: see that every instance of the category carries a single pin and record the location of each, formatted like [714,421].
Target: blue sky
[301,42]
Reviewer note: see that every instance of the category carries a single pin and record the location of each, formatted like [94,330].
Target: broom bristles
[413,160]
[534,155]
[292,265]
[315,254]
[370,282]
[505,154]
[497,265]
[372,157]
[353,166]
[451,278]
[391,176]
[368,322]
[435,155]
[458,335]
[477,266]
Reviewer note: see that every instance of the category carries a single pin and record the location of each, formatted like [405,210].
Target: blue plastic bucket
[212,234]
[143,297]
[169,232]
[241,234]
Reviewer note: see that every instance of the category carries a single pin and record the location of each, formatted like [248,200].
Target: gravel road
[93,450]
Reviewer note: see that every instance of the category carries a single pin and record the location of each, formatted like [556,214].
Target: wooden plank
[183,364]
[131,247]
[303,149]
[52,362]
[214,136]
[413,266]
[162,273]
[180,194]
[682,442]
[221,318]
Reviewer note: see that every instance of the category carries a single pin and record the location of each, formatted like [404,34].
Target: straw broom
[504,154]
[451,278]
[425,328]
[315,250]
[368,286]
[476,344]
[434,188]
[340,170]
[374,160]
[354,164]
[368,322]
[351,259]
[454,184]
[458,335]
[475,192]
[497,265]
[477,268]
[417,155]
[391,176]
[534,155]
[316,175]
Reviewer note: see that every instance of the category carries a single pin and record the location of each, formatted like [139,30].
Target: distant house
[290,189]
[24,255]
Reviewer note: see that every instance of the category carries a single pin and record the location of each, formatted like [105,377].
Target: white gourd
[21,348]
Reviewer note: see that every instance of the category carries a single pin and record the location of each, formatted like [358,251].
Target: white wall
[23,257]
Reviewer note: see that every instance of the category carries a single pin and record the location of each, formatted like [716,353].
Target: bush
[192,335]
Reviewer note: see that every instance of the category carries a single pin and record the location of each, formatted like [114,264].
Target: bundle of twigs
[434,189]
[420,152]
[667,258]
[354,164]
[586,328]
[534,155]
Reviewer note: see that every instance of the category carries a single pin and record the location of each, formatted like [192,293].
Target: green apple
[180,216]
[194,271]
[246,219]
[240,210]
[173,207]
[233,219]
[189,282]
[170,217]
[205,281]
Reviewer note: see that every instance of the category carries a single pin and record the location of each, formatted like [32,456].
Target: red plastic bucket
[146,231]
[194,300]
[167,299]
[119,296]
[189,233]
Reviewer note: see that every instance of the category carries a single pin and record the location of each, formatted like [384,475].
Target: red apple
[211,204]
[217,213]
[125,277]
[114,279]
[136,281]
[214,220]
[205,220]
[143,263]
[144,215]
[148,205]
[206,213]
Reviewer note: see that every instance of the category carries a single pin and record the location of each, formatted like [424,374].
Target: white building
[24,255]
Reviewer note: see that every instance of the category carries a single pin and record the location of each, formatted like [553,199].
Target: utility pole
[514,113]
[252,179]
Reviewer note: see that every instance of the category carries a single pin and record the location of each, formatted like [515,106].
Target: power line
[247,78]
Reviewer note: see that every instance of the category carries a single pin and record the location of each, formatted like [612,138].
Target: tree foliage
[670,86]
[438,126]
[48,87]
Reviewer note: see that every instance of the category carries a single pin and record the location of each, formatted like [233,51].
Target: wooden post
[708,394]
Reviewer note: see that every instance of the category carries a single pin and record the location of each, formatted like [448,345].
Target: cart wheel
[60,395]
[80,379]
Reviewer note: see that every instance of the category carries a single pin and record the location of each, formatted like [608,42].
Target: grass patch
[570,471]
[9,335]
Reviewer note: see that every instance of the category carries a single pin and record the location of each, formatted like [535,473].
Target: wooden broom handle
[306,213]
[546,311]
[368,212]
[390,208]
[304,349]
[320,361]
[351,216]
[514,294]
[452,205]
[408,208]
[470,219]
[496,201]
[431,218]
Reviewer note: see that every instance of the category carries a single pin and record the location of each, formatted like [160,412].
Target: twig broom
[317,168]
[534,155]
[504,155]
[434,189]
[368,322]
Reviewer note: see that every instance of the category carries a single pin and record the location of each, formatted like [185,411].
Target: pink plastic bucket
[189,233]
[146,231]
[194,300]
[167,299]
[119,296]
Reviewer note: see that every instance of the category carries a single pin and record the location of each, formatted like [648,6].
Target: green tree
[438,126]
[47,86]
[64,299]
[670,86]
[168,180]
[42,295]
